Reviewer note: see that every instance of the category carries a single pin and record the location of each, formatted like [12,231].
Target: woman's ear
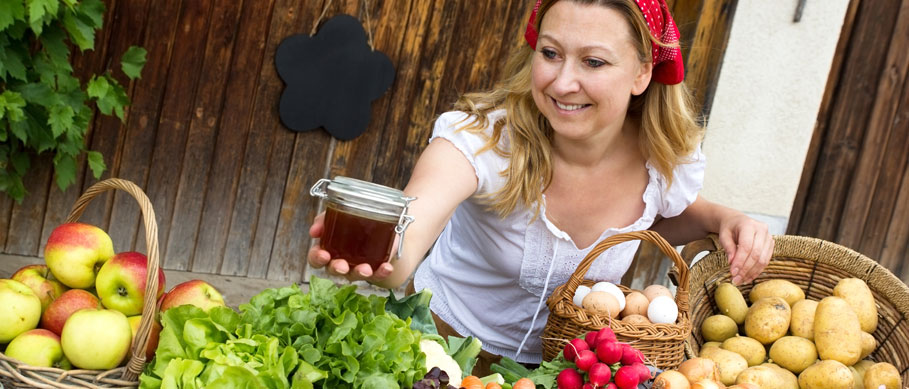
[642,80]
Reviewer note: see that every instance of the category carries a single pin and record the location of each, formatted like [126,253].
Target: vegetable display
[330,337]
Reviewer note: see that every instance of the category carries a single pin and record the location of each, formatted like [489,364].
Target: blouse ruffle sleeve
[486,165]
[688,180]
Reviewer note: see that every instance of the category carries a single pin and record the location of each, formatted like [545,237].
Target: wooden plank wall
[855,185]
[228,182]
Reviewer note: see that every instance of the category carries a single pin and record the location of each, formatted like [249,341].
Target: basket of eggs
[653,321]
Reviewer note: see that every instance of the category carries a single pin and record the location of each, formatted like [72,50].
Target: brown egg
[636,319]
[635,304]
[602,303]
[653,291]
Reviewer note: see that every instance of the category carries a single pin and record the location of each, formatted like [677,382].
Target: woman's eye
[548,53]
[594,63]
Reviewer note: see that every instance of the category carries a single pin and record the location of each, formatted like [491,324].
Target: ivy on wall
[44,108]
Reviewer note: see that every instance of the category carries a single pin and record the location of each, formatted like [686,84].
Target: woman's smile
[569,108]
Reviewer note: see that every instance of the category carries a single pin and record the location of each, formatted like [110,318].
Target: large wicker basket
[662,344]
[19,375]
[816,266]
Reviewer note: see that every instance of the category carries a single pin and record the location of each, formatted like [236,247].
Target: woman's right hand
[319,258]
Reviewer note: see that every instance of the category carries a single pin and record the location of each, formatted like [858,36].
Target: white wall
[771,83]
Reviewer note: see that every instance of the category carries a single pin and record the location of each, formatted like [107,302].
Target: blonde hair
[669,133]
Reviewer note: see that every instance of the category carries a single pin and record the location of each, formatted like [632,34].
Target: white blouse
[488,275]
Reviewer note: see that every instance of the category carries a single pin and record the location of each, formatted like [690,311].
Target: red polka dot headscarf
[667,60]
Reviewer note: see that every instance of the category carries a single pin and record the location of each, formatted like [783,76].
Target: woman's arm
[441,179]
[747,242]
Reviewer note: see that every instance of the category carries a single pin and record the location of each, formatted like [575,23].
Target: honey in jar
[361,219]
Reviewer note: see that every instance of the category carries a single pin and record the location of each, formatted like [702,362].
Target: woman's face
[585,69]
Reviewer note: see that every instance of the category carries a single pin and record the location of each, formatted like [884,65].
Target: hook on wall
[798,11]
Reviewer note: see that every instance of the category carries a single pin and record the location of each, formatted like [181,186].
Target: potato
[858,295]
[731,302]
[787,379]
[826,375]
[729,363]
[765,377]
[777,288]
[768,319]
[868,344]
[802,323]
[863,365]
[750,349]
[718,328]
[882,374]
[856,379]
[710,344]
[837,333]
[793,353]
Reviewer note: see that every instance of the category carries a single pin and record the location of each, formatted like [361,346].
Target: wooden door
[855,186]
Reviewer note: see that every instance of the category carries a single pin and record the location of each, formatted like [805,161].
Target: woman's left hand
[748,245]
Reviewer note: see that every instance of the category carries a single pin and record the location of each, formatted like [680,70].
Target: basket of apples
[97,311]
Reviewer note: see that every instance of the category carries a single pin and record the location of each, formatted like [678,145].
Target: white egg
[579,294]
[610,288]
[662,310]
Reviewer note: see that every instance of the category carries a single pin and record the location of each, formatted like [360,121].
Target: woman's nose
[566,80]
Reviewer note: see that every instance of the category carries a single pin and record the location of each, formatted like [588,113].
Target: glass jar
[361,219]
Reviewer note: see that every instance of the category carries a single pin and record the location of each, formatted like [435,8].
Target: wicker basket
[815,266]
[19,375]
[662,344]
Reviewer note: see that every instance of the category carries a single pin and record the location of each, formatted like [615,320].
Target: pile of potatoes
[783,340]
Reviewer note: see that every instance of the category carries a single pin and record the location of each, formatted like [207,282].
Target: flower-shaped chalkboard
[332,77]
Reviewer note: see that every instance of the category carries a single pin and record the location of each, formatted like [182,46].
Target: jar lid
[363,195]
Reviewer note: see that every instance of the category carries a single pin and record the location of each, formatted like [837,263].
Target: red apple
[193,292]
[38,278]
[121,282]
[75,252]
[96,339]
[152,344]
[38,347]
[63,307]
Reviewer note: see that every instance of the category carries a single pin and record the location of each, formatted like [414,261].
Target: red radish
[642,370]
[631,355]
[585,360]
[610,386]
[573,348]
[591,339]
[599,374]
[605,333]
[569,379]
[588,386]
[627,378]
[609,352]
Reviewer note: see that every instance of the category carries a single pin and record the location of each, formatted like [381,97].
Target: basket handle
[646,235]
[692,249]
[150,305]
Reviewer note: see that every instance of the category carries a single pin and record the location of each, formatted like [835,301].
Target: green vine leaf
[79,31]
[92,10]
[133,61]
[60,118]
[39,11]
[96,163]
[10,11]
[65,169]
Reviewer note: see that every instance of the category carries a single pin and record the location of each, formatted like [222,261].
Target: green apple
[193,292]
[38,278]
[75,252]
[63,307]
[38,347]
[20,309]
[121,282]
[152,344]
[96,339]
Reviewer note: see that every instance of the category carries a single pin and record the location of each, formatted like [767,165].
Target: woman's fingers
[318,258]
[318,226]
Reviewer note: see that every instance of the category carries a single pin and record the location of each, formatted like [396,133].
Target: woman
[591,134]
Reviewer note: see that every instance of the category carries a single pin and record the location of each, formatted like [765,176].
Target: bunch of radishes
[602,362]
